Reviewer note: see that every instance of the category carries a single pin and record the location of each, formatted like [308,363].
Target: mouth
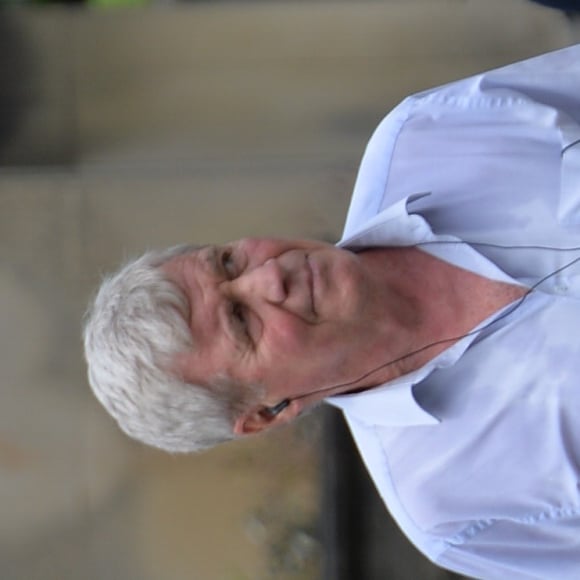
[311,283]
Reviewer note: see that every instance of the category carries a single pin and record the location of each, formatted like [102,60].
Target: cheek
[299,344]
[260,249]
[288,335]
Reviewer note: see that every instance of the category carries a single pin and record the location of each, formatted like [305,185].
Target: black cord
[570,145]
[500,246]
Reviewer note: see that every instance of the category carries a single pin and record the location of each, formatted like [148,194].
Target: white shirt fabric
[477,454]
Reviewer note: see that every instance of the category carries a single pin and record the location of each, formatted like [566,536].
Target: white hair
[133,330]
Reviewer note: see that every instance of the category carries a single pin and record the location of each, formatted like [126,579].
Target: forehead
[190,271]
[178,266]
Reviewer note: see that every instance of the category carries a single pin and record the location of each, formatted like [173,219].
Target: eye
[239,316]
[228,264]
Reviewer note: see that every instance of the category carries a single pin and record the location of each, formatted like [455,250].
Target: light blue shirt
[477,454]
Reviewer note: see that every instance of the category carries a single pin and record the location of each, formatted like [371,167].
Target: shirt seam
[474,529]
[486,101]
[411,105]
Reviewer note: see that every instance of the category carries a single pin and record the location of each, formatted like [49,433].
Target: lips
[311,278]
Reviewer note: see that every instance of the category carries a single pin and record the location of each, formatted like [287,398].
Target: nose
[264,282]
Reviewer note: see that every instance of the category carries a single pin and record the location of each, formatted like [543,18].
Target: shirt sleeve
[487,129]
[552,79]
[543,546]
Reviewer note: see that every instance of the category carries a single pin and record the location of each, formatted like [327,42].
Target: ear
[258,419]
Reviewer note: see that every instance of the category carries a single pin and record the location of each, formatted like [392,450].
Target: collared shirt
[477,453]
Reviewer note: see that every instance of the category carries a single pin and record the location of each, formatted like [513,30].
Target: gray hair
[133,330]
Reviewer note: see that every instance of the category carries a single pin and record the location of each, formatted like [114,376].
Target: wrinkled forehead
[193,272]
[188,267]
[175,252]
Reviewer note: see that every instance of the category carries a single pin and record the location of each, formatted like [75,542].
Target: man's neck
[428,302]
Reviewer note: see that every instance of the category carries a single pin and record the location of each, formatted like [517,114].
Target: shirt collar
[393,403]
[397,226]
[393,226]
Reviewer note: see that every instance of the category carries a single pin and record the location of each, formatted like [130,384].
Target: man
[444,325]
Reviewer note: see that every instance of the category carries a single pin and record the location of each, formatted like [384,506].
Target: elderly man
[444,325]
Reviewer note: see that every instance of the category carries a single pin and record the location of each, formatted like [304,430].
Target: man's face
[289,315]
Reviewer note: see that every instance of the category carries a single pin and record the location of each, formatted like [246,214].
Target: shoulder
[449,134]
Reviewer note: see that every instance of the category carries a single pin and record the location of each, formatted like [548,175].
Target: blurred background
[125,128]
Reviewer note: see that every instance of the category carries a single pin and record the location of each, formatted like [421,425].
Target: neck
[426,301]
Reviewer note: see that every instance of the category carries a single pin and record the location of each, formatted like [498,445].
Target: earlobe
[261,418]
